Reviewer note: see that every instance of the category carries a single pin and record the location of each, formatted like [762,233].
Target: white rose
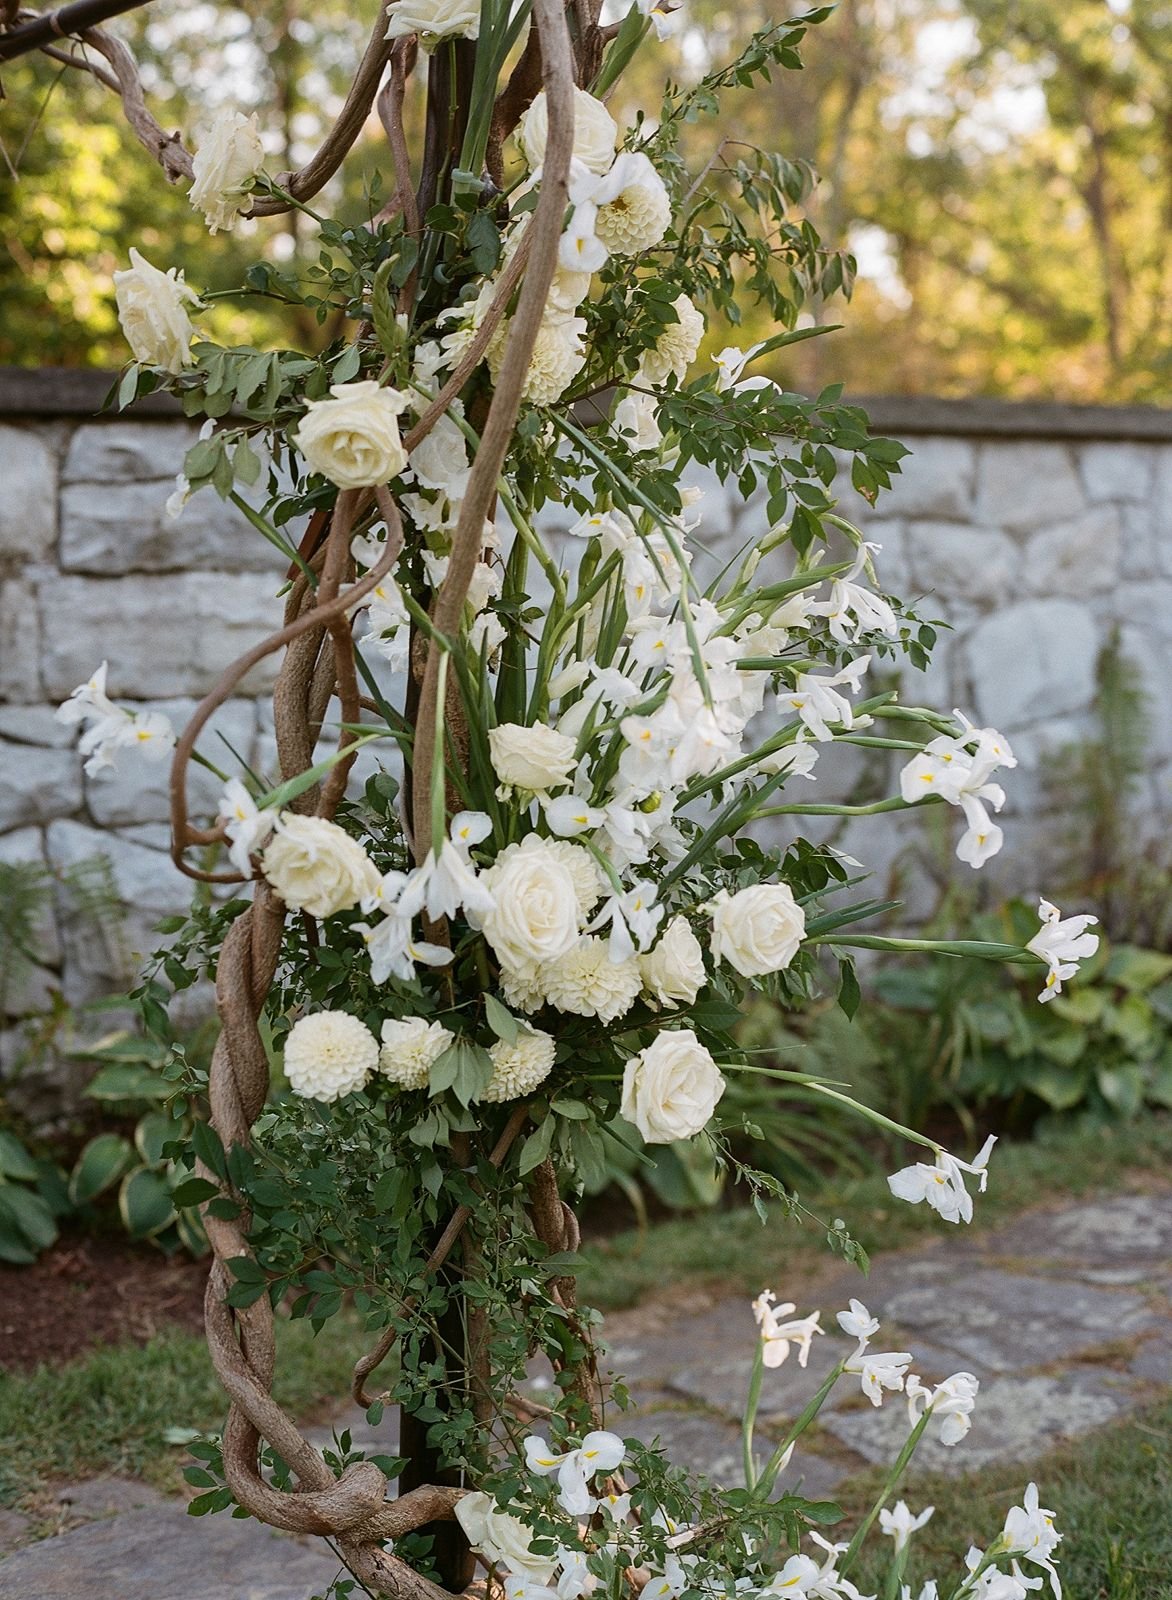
[434,20]
[353,438]
[151,309]
[502,1539]
[316,866]
[328,1055]
[535,915]
[758,930]
[535,758]
[595,133]
[224,167]
[670,1089]
[674,969]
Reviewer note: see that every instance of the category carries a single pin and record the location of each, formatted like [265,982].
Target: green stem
[752,1401]
[765,1482]
[885,1493]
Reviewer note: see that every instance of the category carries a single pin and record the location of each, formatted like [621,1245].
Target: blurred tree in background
[1002,169]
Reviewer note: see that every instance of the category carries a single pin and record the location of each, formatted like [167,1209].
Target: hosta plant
[527,935]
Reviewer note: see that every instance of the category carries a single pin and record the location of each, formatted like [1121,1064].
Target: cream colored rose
[433,20]
[316,866]
[670,1089]
[536,758]
[224,167]
[502,1539]
[152,311]
[758,930]
[353,438]
[535,915]
[595,133]
[674,969]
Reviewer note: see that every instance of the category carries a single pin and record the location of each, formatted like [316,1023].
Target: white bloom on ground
[225,167]
[858,1323]
[777,1334]
[585,981]
[247,826]
[568,816]
[757,930]
[599,1452]
[535,917]
[410,1048]
[448,880]
[352,438]
[677,345]
[1062,942]
[851,609]
[951,1404]
[942,1184]
[633,917]
[634,210]
[880,1371]
[534,756]
[152,308]
[518,1068]
[673,971]
[817,700]
[595,133]
[390,943]
[108,728]
[329,1054]
[316,866]
[899,1524]
[502,1539]
[671,1088]
[433,20]
[1030,1532]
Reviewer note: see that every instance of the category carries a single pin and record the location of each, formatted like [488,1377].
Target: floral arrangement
[527,937]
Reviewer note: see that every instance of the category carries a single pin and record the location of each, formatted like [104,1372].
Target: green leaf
[128,388]
[848,987]
[104,1160]
[29,1216]
[193,1192]
[15,1161]
[536,1146]
[245,1270]
[153,1132]
[126,1080]
[206,1143]
[145,1203]
[501,1020]
[347,366]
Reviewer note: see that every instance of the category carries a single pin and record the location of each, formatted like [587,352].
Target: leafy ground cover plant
[543,915]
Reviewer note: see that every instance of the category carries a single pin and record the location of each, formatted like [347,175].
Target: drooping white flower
[329,1054]
[586,982]
[671,1087]
[1030,1532]
[1062,942]
[852,609]
[858,1323]
[448,880]
[518,1068]
[152,308]
[880,1371]
[530,756]
[390,942]
[595,133]
[949,768]
[352,438]
[575,1580]
[410,1048]
[633,918]
[757,930]
[899,1523]
[500,1537]
[225,167]
[951,1403]
[580,249]
[730,363]
[246,825]
[816,698]
[433,20]
[108,729]
[315,866]
[942,1184]
[777,1334]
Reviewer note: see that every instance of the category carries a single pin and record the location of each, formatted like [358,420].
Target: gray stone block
[36,725]
[1033,661]
[20,642]
[955,560]
[1121,1228]
[127,452]
[1075,558]
[1026,486]
[1117,470]
[138,790]
[935,480]
[37,784]
[166,636]
[28,506]
[125,527]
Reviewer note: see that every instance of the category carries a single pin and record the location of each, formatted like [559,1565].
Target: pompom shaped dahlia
[637,216]
[677,346]
[409,1049]
[328,1055]
[558,356]
[519,1067]
[522,991]
[587,982]
[589,883]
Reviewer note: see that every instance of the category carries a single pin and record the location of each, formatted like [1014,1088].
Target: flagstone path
[1064,1314]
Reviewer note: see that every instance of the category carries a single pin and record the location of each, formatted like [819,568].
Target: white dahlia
[328,1055]
[518,1068]
[410,1047]
[677,345]
[587,982]
[589,884]
[635,213]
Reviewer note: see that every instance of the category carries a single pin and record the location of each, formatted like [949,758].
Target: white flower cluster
[959,770]
[108,729]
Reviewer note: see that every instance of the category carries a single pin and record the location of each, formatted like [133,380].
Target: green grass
[1112,1495]
[732,1248]
[109,1412]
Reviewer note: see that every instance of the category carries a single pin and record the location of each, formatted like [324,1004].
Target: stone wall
[1034,530]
